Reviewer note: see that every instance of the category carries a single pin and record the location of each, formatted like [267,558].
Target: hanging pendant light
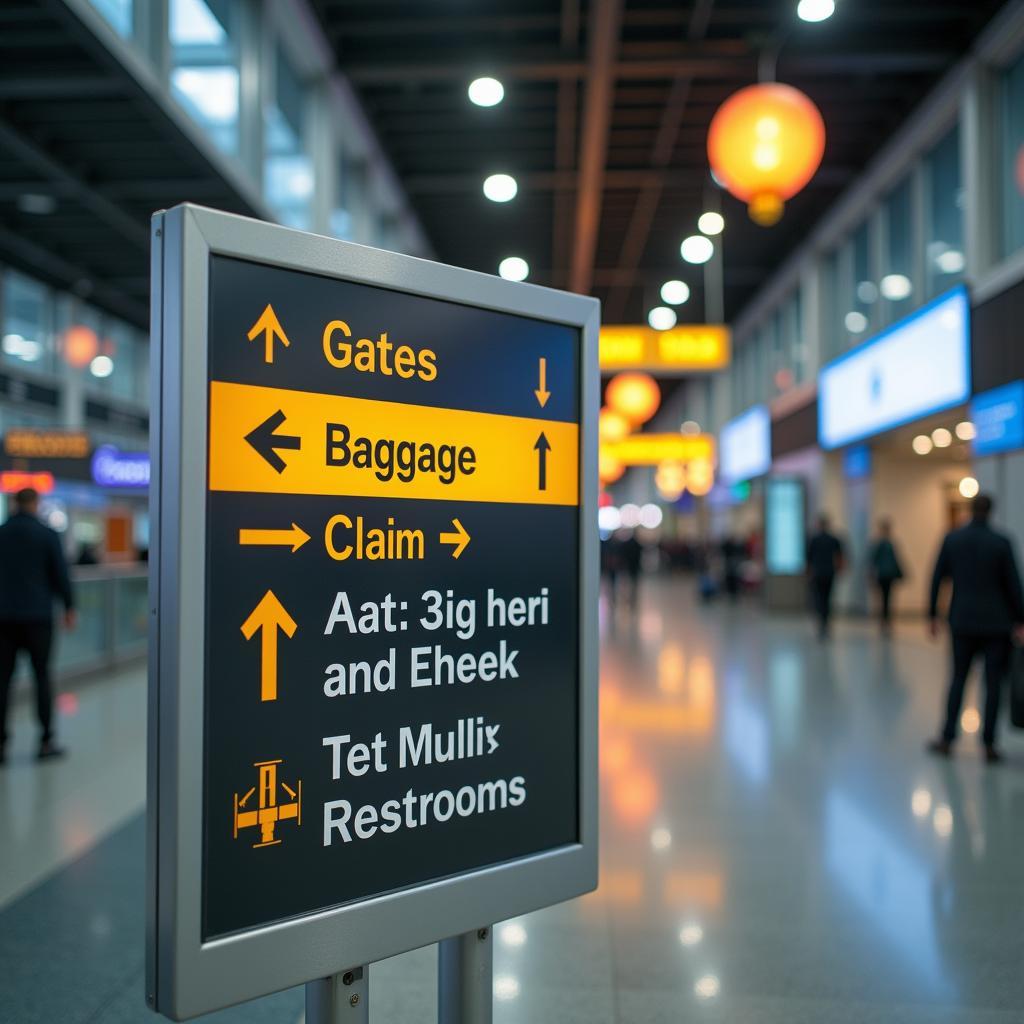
[765,144]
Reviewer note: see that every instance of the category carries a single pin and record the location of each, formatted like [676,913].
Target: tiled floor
[775,848]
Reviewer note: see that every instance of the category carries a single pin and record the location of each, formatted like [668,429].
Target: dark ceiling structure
[605,120]
[87,153]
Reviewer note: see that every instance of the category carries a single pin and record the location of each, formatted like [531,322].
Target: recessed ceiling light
[969,487]
[661,318]
[941,437]
[896,287]
[514,268]
[711,223]
[856,323]
[815,10]
[500,188]
[675,293]
[966,431]
[697,249]
[36,203]
[923,444]
[486,92]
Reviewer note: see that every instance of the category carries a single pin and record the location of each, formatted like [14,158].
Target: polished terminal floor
[776,847]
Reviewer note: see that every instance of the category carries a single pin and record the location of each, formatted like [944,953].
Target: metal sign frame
[186,976]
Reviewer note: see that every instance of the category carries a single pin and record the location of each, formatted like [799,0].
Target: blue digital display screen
[920,365]
[785,525]
[998,418]
[745,446]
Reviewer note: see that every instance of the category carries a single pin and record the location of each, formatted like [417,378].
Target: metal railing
[112,620]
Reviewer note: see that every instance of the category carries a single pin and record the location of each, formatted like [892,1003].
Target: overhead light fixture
[815,10]
[951,261]
[941,437]
[514,268]
[896,287]
[500,188]
[969,487]
[697,249]
[923,444]
[37,203]
[661,318]
[711,223]
[486,92]
[101,366]
[690,427]
[966,431]
[867,292]
[675,293]
[856,323]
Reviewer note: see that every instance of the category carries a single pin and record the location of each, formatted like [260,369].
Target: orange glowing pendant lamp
[765,143]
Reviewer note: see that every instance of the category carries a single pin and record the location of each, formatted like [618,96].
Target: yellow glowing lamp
[765,144]
[609,468]
[700,477]
[635,396]
[81,345]
[612,426]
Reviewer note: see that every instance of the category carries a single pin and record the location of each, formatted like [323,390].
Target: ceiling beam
[639,230]
[615,179]
[31,153]
[605,24]
[57,270]
[57,87]
[566,115]
[666,68]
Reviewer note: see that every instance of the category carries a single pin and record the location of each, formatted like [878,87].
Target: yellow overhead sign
[653,449]
[687,348]
[26,443]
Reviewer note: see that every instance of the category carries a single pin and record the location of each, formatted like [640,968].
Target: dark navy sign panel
[510,791]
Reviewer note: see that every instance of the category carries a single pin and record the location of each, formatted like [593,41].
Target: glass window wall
[204,66]
[28,312]
[119,13]
[896,283]
[944,228]
[287,168]
[1012,131]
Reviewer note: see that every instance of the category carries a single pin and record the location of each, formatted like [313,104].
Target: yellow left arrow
[294,537]
[459,538]
[270,327]
[268,616]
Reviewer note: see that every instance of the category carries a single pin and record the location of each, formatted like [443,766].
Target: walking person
[887,571]
[33,575]
[824,561]
[985,610]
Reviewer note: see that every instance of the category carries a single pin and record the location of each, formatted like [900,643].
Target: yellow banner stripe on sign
[269,440]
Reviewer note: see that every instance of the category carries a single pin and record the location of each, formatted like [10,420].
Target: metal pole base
[340,999]
[464,984]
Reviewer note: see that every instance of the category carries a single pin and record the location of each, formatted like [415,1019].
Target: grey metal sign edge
[186,977]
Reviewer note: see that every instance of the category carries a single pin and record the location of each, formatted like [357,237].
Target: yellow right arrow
[270,327]
[459,538]
[292,538]
[269,616]
[542,393]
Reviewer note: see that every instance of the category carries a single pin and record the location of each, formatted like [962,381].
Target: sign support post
[342,998]
[464,982]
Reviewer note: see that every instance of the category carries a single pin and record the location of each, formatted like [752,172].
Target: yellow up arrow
[542,394]
[293,538]
[270,327]
[459,538]
[269,616]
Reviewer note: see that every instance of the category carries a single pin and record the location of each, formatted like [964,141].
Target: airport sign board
[373,667]
[998,418]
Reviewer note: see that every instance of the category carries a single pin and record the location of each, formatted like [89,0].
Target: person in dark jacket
[886,570]
[986,608]
[824,560]
[33,575]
